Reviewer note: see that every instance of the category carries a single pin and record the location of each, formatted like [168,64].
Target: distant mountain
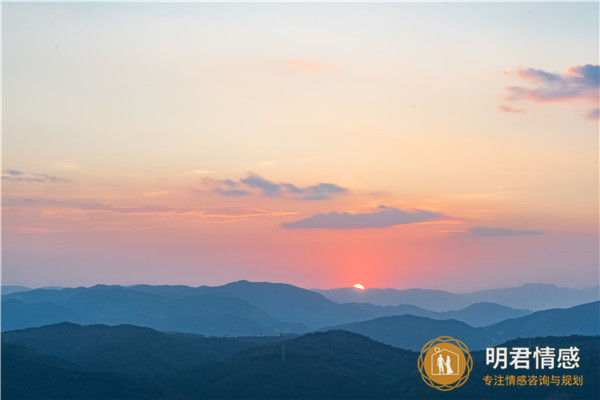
[7,289]
[293,304]
[217,314]
[243,308]
[56,296]
[279,300]
[529,296]
[483,314]
[435,300]
[239,308]
[536,296]
[408,331]
[17,314]
[579,320]
[478,314]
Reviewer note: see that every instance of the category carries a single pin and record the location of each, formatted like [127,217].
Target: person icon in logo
[449,370]
[440,364]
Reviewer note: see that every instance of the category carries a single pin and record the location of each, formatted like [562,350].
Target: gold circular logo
[445,363]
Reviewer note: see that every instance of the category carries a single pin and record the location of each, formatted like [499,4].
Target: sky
[435,145]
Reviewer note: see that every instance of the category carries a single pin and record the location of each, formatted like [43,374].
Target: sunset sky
[446,146]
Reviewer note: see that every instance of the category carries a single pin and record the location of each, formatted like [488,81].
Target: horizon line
[50,287]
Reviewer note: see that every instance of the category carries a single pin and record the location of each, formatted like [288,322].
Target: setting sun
[358,286]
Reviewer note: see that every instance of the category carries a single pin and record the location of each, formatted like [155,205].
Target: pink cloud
[507,109]
[578,83]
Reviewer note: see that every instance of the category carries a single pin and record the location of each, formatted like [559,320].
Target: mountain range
[529,296]
[253,340]
[238,308]
[407,331]
[68,361]
[478,314]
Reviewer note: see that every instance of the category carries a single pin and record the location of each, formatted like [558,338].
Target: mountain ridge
[532,296]
[326,365]
[407,331]
[237,308]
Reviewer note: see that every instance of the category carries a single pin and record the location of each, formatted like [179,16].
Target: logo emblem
[445,363]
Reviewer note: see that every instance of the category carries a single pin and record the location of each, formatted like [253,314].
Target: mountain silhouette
[29,375]
[208,314]
[128,362]
[8,289]
[408,331]
[529,296]
[127,348]
[238,308]
[478,314]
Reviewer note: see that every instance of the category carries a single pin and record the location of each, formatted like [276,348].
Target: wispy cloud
[580,82]
[244,212]
[20,176]
[482,231]
[254,184]
[593,114]
[298,63]
[151,209]
[321,191]
[383,217]
[507,109]
[232,213]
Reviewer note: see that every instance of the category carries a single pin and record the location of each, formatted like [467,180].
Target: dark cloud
[292,188]
[230,183]
[320,191]
[384,217]
[482,231]
[580,82]
[268,188]
[231,192]
[20,176]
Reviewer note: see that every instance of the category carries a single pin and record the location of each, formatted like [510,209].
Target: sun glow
[358,286]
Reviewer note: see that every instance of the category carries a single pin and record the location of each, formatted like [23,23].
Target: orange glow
[358,286]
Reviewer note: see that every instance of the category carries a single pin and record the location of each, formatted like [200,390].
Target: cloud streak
[254,184]
[20,176]
[383,217]
[482,231]
[236,212]
[511,110]
[137,210]
[231,213]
